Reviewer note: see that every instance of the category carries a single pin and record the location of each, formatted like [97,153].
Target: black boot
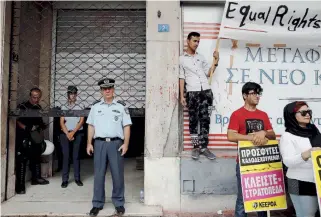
[20,175]
[36,176]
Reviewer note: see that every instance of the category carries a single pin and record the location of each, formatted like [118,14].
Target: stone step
[76,209]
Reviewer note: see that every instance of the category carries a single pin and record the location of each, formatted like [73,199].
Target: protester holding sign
[300,138]
[194,71]
[249,124]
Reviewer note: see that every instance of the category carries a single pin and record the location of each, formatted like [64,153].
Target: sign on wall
[262,177]
[291,22]
[286,73]
[316,160]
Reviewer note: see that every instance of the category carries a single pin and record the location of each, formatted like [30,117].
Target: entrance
[57,44]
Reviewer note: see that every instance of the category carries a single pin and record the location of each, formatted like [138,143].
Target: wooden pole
[216,49]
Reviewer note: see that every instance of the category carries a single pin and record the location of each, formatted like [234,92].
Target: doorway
[57,44]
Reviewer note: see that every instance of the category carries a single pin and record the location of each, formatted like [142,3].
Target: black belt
[108,139]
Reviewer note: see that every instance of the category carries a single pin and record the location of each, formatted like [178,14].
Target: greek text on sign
[259,155]
[272,21]
[262,177]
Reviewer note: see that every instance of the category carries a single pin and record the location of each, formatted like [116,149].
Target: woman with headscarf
[296,144]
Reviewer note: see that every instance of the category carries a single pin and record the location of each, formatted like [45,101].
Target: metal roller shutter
[92,44]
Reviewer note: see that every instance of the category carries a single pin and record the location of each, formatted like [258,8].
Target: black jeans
[65,145]
[199,106]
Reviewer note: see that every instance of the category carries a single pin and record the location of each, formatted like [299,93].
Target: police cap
[72,89]
[106,82]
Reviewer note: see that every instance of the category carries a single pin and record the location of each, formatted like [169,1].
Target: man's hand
[124,149]
[216,56]
[90,149]
[183,101]
[259,138]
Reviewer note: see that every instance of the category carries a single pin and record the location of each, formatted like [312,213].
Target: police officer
[72,134]
[109,124]
[28,143]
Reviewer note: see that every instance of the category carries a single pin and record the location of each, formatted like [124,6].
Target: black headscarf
[292,126]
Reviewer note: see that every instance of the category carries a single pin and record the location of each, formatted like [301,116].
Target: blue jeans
[239,206]
[305,206]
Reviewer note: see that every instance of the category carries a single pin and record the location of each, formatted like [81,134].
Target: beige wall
[162,106]
[29,50]
[30,68]
[5,23]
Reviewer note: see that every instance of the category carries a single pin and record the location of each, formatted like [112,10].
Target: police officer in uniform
[29,143]
[71,134]
[109,125]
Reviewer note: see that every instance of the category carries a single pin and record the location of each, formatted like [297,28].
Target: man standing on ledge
[109,124]
[195,71]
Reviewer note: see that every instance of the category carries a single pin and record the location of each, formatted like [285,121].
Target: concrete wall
[207,185]
[3,145]
[176,182]
[30,67]
[5,21]
[29,50]
[162,164]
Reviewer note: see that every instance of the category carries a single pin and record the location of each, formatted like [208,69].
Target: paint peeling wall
[162,164]
[162,81]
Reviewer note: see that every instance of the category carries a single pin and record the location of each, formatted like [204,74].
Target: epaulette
[121,102]
[96,102]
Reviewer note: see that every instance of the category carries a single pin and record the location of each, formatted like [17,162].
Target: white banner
[290,22]
[286,73]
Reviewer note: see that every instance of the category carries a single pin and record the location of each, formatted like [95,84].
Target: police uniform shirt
[71,122]
[109,119]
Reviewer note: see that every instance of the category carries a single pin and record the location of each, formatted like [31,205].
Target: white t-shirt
[291,147]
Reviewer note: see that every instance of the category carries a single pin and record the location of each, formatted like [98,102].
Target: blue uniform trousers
[65,145]
[104,153]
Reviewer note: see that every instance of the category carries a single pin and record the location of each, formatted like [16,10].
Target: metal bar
[135,112]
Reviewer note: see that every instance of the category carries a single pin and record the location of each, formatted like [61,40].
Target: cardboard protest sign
[316,160]
[262,177]
[298,22]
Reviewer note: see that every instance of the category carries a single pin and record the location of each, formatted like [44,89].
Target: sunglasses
[305,112]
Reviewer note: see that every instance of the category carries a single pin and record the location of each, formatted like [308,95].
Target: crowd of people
[109,127]
[109,124]
[248,123]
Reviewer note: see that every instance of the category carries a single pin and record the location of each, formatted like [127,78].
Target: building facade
[80,42]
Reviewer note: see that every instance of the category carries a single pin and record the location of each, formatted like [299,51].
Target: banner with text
[262,177]
[286,73]
[316,160]
[297,22]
